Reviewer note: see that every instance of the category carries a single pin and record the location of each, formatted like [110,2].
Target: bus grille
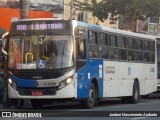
[45,91]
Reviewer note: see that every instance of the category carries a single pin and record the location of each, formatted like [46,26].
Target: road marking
[138,118]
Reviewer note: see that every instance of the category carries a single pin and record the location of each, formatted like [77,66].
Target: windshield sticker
[19,66]
[28,66]
[41,64]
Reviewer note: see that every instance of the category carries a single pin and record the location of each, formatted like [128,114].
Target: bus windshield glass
[40,51]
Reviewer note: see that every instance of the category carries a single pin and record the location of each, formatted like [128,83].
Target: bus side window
[113,53]
[152,51]
[81,54]
[103,46]
[93,44]
[93,37]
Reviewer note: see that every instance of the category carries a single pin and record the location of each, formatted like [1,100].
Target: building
[86,17]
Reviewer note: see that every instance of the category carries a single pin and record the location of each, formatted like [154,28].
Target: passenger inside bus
[80,48]
[49,51]
[14,53]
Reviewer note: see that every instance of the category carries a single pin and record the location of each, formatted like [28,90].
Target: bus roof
[112,30]
[36,19]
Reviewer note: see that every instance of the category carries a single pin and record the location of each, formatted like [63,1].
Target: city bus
[50,60]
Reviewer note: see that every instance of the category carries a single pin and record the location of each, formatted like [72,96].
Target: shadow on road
[76,105]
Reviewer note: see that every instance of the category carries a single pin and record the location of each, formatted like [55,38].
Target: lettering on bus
[52,26]
[151,69]
[110,69]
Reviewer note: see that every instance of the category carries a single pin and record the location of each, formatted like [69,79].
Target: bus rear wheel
[36,103]
[135,97]
[91,100]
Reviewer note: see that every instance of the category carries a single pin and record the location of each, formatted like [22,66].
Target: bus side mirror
[4,41]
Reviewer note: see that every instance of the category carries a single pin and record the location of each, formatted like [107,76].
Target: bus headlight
[68,80]
[65,82]
[12,83]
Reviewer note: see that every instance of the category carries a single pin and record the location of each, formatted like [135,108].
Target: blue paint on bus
[86,75]
[24,82]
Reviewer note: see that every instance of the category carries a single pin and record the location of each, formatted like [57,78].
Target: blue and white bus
[52,59]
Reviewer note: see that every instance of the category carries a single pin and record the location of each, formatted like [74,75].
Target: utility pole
[71,10]
[24,8]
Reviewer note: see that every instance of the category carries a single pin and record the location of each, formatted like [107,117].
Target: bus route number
[151,69]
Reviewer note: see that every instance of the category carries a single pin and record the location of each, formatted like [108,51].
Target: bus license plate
[46,83]
[37,93]
[49,84]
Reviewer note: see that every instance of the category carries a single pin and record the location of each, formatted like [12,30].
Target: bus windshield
[40,52]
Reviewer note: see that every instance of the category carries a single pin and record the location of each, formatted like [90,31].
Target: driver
[50,51]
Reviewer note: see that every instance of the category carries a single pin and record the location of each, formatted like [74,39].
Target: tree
[129,10]
[133,10]
[97,9]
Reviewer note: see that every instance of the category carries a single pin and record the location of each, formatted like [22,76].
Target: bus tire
[91,100]
[135,96]
[36,104]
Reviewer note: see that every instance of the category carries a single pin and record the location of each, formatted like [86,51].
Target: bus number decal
[110,69]
[49,84]
[151,69]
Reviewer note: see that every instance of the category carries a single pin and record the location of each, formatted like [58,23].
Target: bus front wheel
[91,100]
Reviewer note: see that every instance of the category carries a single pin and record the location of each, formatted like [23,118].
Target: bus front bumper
[66,92]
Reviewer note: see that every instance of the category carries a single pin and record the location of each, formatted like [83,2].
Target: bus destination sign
[39,26]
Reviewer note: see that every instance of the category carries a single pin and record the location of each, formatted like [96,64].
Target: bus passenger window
[93,37]
[139,44]
[139,56]
[147,57]
[104,52]
[93,51]
[152,57]
[146,45]
[130,43]
[103,39]
[81,54]
[131,55]
[152,46]
[113,54]
[113,40]
[122,42]
[123,54]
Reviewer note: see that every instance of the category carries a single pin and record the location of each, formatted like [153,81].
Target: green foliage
[131,10]
[98,10]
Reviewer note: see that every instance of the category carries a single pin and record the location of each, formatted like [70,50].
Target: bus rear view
[40,61]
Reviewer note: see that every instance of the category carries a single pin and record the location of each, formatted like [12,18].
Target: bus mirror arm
[4,36]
